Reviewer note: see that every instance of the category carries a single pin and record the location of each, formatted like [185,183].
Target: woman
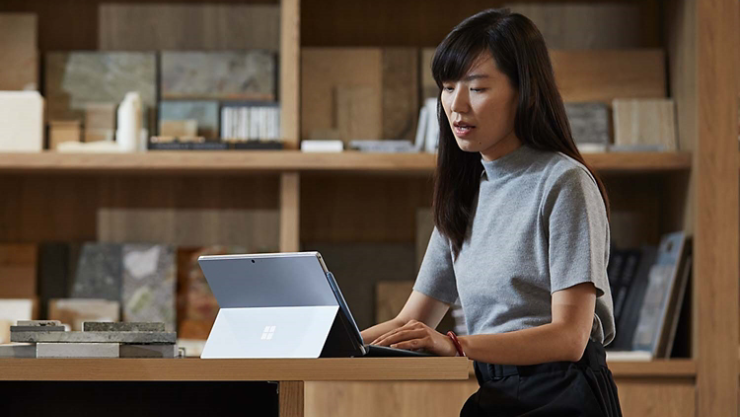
[521,236]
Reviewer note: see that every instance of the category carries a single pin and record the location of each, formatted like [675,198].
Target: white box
[21,121]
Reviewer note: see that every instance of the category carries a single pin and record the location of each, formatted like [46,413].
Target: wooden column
[290,59]
[716,246]
[290,213]
[291,398]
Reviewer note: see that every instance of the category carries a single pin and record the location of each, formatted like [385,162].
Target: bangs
[455,55]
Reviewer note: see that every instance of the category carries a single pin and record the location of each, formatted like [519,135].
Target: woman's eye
[477,90]
[448,88]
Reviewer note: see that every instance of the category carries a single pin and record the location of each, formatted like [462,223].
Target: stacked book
[250,123]
[49,339]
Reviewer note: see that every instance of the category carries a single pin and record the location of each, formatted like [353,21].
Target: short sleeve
[436,277]
[578,232]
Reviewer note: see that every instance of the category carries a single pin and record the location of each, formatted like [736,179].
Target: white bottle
[129,122]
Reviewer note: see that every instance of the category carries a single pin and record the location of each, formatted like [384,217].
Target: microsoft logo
[268,332]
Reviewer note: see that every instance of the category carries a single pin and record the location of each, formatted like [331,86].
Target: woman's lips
[461,129]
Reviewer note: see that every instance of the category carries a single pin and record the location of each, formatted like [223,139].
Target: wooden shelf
[282,161]
[350,369]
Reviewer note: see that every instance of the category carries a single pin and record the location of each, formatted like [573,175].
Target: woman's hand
[416,335]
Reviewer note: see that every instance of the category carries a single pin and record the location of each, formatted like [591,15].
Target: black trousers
[583,388]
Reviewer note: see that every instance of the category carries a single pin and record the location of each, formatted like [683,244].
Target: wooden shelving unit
[224,162]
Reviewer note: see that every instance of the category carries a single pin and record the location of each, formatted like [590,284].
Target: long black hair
[520,53]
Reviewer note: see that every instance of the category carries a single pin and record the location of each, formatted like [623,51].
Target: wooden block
[19,51]
[63,131]
[255,229]
[178,128]
[390,297]
[606,75]
[75,312]
[358,113]
[21,121]
[323,71]
[100,116]
[400,93]
[586,26]
[18,271]
[99,135]
[645,122]
[149,27]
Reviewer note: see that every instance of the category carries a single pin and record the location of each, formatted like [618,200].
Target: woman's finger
[410,324]
[402,336]
[415,344]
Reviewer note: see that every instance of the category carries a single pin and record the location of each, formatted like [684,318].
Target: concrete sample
[21,121]
[204,112]
[248,75]
[589,122]
[21,329]
[188,27]
[99,272]
[149,351]
[18,271]
[645,122]
[19,49]
[77,350]
[76,79]
[255,229]
[97,326]
[141,338]
[149,281]
[12,311]
[39,323]
[55,268]
[18,351]
[77,311]
[586,26]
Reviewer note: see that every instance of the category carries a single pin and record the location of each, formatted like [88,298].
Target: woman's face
[481,108]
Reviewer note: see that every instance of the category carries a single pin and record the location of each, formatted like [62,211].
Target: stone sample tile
[99,272]
[140,338]
[18,271]
[18,351]
[645,122]
[204,112]
[19,49]
[589,122]
[77,350]
[75,312]
[149,281]
[21,329]
[76,79]
[39,323]
[55,269]
[149,351]
[188,27]
[248,75]
[97,326]
[400,107]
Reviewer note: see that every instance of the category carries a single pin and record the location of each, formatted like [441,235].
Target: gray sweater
[539,226]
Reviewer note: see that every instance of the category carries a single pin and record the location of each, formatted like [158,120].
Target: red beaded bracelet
[456,342]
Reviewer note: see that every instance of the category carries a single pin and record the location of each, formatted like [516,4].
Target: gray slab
[39,323]
[149,281]
[149,351]
[15,329]
[77,350]
[589,122]
[245,75]
[96,326]
[143,338]
[99,272]
[74,79]
[18,351]
[205,112]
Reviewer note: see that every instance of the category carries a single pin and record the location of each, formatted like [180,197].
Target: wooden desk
[289,373]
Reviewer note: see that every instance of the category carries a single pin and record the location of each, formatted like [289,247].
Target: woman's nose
[460,103]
